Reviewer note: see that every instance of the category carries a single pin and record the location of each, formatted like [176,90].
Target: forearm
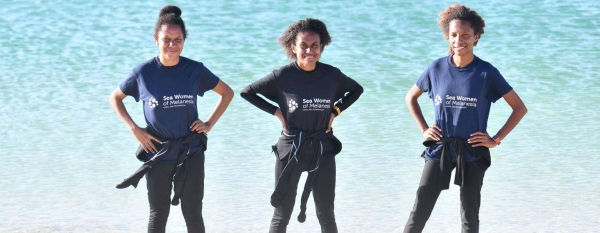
[518,112]
[116,101]
[253,98]
[512,122]
[417,114]
[412,103]
[220,108]
[350,98]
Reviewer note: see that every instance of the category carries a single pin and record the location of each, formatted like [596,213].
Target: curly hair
[307,25]
[170,15]
[460,12]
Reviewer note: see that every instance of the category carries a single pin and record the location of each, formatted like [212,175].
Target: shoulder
[191,62]
[333,73]
[437,66]
[328,67]
[482,64]
[146,67]
[284,70]
[438,63]
[152,62]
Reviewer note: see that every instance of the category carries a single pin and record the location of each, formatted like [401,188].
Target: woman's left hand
[201,127]
[481,139]
[330,123]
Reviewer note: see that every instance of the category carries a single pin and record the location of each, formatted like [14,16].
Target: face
[307,48]
[170,41]
[462,37]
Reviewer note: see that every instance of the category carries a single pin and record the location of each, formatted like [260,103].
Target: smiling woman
[307,142]
[470,86]
[173,144]
[170,41]
[170,35]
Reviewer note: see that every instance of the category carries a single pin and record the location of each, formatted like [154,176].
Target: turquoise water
[64,148]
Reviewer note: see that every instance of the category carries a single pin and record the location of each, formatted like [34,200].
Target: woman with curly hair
[309,95]
[173,143]
[462,87]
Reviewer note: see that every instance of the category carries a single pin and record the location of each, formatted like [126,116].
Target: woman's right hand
[434,132]
[279,115]
[145,139]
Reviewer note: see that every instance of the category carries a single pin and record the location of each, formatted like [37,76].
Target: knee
[426,199]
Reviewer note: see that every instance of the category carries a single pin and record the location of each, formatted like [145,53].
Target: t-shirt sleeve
[424,81]
[130,86]
[207,82]
[266,87]
[498,87]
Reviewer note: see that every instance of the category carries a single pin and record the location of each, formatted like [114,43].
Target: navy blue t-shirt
[462,98]
[169,96]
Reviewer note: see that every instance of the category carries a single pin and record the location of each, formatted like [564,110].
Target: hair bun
[169,9]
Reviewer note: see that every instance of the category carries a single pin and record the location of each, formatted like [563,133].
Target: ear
[155,38]
[293,47]
[477,37]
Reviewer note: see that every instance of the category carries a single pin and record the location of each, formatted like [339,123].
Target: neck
[462,61]
[306,67]
[168,61]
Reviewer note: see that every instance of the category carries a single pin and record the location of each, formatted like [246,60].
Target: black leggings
[428,192]
[323,194]
[160,183]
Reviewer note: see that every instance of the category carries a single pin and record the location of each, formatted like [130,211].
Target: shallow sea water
[64,148]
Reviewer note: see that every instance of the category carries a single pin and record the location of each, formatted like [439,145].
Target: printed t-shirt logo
[316,104]
[438,100]
[178,100]
[292,105]
[152,103]
[458,101]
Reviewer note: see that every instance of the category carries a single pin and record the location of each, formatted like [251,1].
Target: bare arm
[518,112]
[145,139]
[226,94]
[434,132]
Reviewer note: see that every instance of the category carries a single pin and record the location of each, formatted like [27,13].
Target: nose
[171,43]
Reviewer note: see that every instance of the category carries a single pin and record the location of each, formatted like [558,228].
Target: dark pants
[428,192]
[160,183]
[323,194]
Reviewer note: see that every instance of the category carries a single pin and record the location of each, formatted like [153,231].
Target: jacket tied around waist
[300,145]
[482,154]
[179,177]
